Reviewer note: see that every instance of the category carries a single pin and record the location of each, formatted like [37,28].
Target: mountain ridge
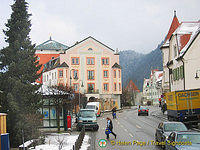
[137,66]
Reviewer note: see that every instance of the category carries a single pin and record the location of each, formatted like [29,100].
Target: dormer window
[90,49]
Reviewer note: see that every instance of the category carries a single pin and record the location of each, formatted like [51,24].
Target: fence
[79,141]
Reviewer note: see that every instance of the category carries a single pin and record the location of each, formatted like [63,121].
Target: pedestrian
[164,108]
[110,127]
[159,102]
[114,112]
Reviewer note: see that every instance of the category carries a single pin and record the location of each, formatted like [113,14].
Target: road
[130,128]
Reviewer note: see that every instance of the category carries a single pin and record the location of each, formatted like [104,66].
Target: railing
[79,141]
[91,91]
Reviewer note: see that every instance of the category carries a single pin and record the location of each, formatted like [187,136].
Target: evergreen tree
[19,68]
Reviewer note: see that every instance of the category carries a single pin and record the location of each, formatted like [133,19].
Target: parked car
[165,128]
[143,111]
[87,118]
[183,141]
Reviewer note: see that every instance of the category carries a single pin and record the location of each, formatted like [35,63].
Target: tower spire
[174,13]
[50,37]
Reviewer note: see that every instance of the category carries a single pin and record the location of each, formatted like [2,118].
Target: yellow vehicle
[183,106]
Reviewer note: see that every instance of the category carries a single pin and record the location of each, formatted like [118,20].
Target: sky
[138,25]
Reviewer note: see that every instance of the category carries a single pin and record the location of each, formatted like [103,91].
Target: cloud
[125,24]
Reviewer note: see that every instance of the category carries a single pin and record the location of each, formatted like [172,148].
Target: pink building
[91,68]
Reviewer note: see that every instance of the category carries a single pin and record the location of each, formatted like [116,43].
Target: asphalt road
[133,131]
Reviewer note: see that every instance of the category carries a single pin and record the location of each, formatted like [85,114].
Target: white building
[184,57]
[152,90]
[165,51]
[181,56]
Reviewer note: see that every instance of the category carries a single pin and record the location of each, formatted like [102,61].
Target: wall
[192,64]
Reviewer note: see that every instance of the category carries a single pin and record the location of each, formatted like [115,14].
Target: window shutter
[182,71]
[178,74]
[173,75]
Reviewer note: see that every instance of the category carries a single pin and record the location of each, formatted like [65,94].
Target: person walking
[110,127]
[114,112]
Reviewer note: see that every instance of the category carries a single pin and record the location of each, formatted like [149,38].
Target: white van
[95,106]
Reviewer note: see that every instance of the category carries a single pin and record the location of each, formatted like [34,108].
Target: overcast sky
[138,25]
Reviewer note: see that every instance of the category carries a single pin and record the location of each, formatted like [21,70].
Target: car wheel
[147,114]
[96,128]
[138,114]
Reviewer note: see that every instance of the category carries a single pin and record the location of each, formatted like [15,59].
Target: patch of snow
[85,143]
[26,144]
[52,142]
[47,90]
[189,42]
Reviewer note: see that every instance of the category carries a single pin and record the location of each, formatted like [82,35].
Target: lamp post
[79,93]
[71,77]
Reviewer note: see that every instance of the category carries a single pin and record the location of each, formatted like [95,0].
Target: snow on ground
[85,143]
[52,142]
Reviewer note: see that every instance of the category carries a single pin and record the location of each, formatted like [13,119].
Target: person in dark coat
[110,127]
[114,112]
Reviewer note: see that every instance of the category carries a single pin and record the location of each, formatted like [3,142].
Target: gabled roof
[94,40]
[51,45]
[116,65]
[186,33]
[54,63]
[131,86]
[63,65]
[174,25]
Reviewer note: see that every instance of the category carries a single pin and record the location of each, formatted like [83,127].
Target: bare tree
[60,142]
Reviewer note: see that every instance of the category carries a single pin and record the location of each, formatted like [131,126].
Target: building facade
[181,59]
[152,89]
[184,57]
[89,67]
[165,51]
[133,93]
[48,50]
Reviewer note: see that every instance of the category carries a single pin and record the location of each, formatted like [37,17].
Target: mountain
[137,66]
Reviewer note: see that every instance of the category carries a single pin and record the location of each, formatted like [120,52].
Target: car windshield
[174,127]
[143,108]
[193,138]
[87,114]
[90,106]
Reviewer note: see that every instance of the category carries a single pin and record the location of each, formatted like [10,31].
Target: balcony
[91,91]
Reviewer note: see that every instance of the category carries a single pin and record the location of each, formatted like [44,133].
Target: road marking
[126,130]
[122,126]
[147,123]
[138,126]
[118,122]
[131,135]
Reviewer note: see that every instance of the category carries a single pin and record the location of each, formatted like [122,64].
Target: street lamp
[71,77]
[197,77]
[79,93]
